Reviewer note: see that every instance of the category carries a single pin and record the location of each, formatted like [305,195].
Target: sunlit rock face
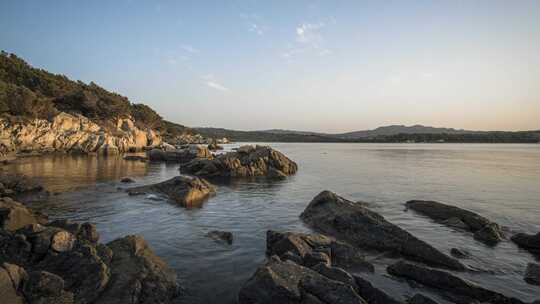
[247,161]
[74,133]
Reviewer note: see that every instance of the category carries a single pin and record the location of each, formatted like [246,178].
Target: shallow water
[501,182]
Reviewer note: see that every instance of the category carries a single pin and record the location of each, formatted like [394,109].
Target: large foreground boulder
[180,155]
[484,230]
[528,241]
[311,249]
[63,262]
[137,274]
[247,161]
[361,227]
[185,190]
[287,282]
[448,282]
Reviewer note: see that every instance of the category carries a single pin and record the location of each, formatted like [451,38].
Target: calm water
[501,182]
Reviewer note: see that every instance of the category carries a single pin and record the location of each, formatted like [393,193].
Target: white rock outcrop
[74,133]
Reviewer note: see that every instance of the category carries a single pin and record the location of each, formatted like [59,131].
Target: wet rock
[180,155]
[448,282]
[484,230]
[14,215]
[311,249]
[214,147]
[335,273]
[316,257]
[185,190]
[17,184]
[247,161]
[532,274]
[528,242]
[86,232]
[459,253]
[221,236]
[421,299]
[371,294]
[127,180]
[287,282]
[330,291]
[361,227]
[138,275]
[136,158]
[491,234]
[46,288]
[11,283]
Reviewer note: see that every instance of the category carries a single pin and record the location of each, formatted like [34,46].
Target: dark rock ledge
[303,268]
[463,291]
[484,230]
[63,262]
[363,228]
[528,242]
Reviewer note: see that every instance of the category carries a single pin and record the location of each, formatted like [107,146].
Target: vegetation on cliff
[28,92]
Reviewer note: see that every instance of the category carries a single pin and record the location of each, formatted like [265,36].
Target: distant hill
[388,134]
[380,131]
[401,129]
[264,136]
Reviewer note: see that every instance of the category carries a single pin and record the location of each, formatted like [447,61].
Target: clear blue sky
[309,65]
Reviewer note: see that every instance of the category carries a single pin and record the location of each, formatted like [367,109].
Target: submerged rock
[127,180]
[136,158]
[180,155]
[459,253]
[532,274]
[17,184]
[528,242]
[247,161]
[484,230]
[361,227]
[185,190]
[448,282]
[421,299]
[221,236]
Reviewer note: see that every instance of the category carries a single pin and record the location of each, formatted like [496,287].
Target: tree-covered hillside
[29,92]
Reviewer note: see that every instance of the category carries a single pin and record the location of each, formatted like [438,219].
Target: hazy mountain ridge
[390,134]
[380,131]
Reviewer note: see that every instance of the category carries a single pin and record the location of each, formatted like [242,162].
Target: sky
[329,66]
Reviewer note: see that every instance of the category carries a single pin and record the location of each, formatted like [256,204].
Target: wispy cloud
[254,23]
[308,39]
[211,82]
[217,86]
[189,49]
